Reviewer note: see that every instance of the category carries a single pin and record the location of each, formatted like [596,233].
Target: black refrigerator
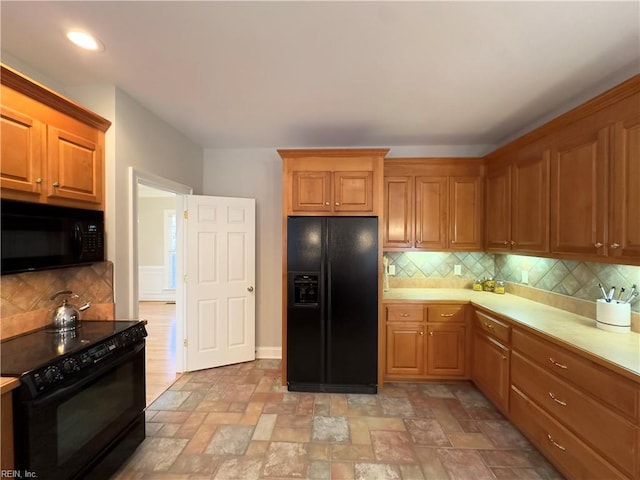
[332,304]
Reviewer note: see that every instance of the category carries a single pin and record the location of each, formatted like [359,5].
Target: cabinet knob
[421,334]
[39,180]
[512,243]
[597,244]
[337,204]
[56,184]
[506,242]
[404,314]
[327,203]
[431,333]
[614,245]
[504,357]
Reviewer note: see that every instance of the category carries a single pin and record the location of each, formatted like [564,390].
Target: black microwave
[37,236]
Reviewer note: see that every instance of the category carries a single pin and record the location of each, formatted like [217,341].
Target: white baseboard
[269,352]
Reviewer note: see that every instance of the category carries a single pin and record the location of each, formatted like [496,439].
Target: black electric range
[79,409]
[45,358]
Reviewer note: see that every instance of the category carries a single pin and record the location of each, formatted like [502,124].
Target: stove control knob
[71,365]
[52,374]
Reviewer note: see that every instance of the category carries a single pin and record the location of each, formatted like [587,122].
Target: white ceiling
[327,74]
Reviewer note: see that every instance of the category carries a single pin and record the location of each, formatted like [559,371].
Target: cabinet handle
[337,204]
[56,184]
[404,314]
[597,244]
[39,180]
[559,365]
[327,203]
[422,334]
[560,402]
[555,444]
[488,325]
[614,245]
[446,314]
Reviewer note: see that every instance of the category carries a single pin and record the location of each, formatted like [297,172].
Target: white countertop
[622,350]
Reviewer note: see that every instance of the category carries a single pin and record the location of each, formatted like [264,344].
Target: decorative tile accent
[437,265]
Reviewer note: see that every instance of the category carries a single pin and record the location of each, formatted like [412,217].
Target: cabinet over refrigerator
[332,304]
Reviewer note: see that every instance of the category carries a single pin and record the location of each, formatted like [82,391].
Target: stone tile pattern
[565,277]
[239,422]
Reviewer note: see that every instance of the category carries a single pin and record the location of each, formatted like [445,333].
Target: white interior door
[220,280]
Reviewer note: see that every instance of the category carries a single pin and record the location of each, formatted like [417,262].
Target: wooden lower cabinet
[490,369]
[419,348]
[570,454]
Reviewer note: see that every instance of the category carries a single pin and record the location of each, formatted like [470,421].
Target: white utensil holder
[613,316]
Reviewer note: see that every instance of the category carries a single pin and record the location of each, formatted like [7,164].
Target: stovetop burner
[44,347]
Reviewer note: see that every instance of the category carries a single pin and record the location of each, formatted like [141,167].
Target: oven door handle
[82,381]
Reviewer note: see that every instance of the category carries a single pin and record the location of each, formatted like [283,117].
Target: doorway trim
[137,177]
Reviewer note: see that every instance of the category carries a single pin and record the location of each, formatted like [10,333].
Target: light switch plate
[392,269]
[525,277]
[457,270]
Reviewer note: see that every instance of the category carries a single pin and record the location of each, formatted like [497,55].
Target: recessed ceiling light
[84,40]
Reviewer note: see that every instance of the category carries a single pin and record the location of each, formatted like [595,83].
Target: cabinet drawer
[620,393]
[604,430]
[563,448]
[405,313]
[446,313]
[492,326]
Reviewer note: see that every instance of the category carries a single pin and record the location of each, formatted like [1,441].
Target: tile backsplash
[25,297]
[565,277]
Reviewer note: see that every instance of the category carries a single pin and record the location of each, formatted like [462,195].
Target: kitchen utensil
[619,299]
[611,293]
[66,316]
[604,294]
[631,293]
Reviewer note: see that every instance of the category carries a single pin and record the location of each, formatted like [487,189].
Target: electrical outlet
[392,270]
[525,277]
[457,270]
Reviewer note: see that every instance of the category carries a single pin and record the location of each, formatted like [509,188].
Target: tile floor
[238,422]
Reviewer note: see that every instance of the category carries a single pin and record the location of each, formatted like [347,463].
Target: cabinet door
[490,370]
[353,191]
[530,203]
[498,208]
[578,193]
[311,191]
[405,349]
[624,238]
[398,212]
[75,167]
[445,349]
[431,213]
[465,212]
[21,152]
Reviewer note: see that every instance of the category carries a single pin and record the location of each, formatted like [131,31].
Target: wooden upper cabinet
[398,211]
[624,226]
[311,191]
[517,203]
[431,213]
[22,152]
[579,163]
[76,167]
[332,181]
[52,150]
[433,204]
[465,213]
[498,207]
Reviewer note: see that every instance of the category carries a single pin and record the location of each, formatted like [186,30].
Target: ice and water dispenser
[305,290]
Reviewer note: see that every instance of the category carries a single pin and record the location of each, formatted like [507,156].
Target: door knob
[249,288]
